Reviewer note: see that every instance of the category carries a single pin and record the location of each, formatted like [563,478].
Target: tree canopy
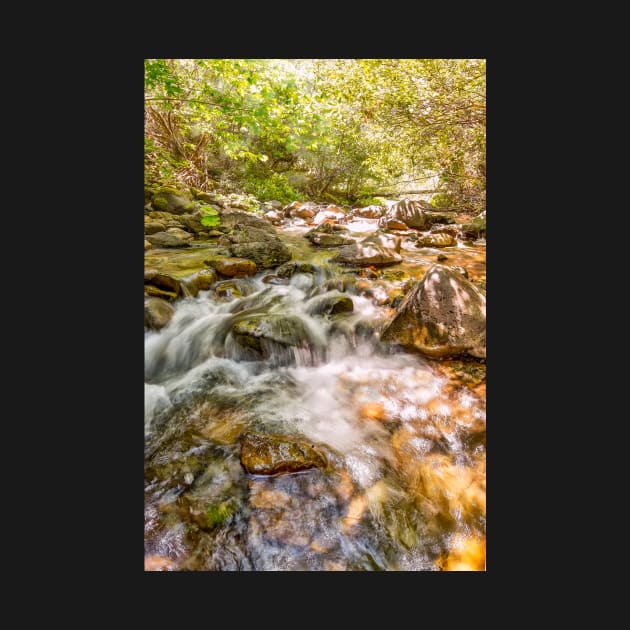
[338,129]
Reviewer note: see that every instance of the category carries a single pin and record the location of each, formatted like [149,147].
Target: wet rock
[330,305]
[164,239]
[232,267]
[444,314]
[369,212]
[476,228]
[231,218]
[291,268]
[439,218]
[330,240]
[147,245]
[264,248]
[276,205]
[389,241]
[275,280]
[332,213]
[152,291]
[157,313]
[204,279]
[273,454]
[168,199]
[459,269]
[193,224]
[367,255]
[303,211]
[149,274]
[442,257]
[179,233]
[274,217]
[406,214]
[151,227]
[166,282]
[228,289]
[209,198]
[436,240]
[446,229]
[256,331]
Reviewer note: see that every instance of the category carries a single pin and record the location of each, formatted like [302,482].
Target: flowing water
[404,436]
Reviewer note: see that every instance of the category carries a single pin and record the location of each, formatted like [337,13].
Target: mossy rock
[169,199]
[330,305]
[291,268]
[157,313]
[152,291]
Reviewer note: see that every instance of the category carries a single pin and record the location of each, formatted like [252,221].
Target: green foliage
[343,128]
[209,216]
[275,186]
[370,201]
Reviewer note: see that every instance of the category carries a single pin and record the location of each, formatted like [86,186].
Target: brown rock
[233,267]
[272,454]
[157,313]
[436,240]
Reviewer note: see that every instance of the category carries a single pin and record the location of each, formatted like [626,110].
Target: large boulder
[443,315]
[406,214]
[366,255]
[164,239]
[272,454]
[168,199]
[157,313]
[436,240]
[257,244]
[232,267]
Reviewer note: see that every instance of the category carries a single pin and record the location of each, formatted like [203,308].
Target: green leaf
[210,221]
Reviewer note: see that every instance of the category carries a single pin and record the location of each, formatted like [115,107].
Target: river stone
[330,305]
[157,313]
[438,218]
[288,330]
[405,213]
[153,291]
[367,255]
[330,240]
[168,199]
[230,218]
[264,248]
[369,212]
[436,240]
[232,267]
[193,223]
[176,231]
[209,198]
[273,454]
[151,227]
[459,269]
[332,213]
[446,229]
[276,205]
[149,274]
[291,268]
[274,217]
[164,239]
[228,289]
[476,228]
[275,280]
[147,245]
[204,279]
[166,282]
[443,315]
[383,240]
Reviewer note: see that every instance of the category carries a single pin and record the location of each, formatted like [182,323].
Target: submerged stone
[272,454]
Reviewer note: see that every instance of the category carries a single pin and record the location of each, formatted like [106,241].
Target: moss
[160,203]
[149,289]
[217,514]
